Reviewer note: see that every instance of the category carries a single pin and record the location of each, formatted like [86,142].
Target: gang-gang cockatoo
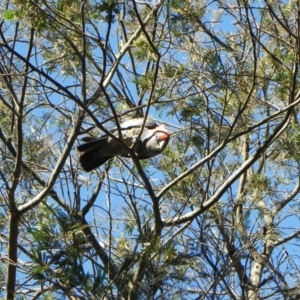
[152,141]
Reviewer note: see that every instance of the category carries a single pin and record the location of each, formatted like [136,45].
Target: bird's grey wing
[138,122]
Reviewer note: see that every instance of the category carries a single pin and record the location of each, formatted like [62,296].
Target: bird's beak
[163,136]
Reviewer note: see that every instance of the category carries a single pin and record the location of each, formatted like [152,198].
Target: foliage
[216,216]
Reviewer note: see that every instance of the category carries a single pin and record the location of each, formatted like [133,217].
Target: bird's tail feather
[90,160]
[92,143]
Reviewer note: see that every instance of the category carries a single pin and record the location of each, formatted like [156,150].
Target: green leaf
[9,15]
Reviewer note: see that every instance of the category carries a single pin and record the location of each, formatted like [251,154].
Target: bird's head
[158,140]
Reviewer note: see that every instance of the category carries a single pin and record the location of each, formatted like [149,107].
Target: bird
[150,142]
